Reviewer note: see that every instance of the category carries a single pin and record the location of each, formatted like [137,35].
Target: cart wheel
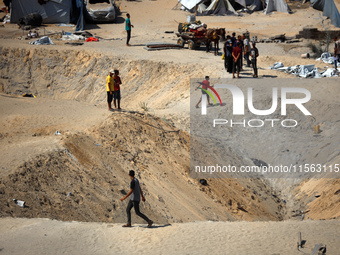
[180,42]
[191,44]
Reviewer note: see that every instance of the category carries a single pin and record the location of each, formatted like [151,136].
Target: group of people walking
[235,49]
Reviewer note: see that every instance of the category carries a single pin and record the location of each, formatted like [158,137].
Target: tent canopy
[328,9]
[209,7]
[219,7]
[54,11]
[277,5]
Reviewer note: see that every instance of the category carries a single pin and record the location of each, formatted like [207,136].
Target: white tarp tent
[204,7]
[190,4]
[54,11]
[328,9]
[276,5]
[220,7]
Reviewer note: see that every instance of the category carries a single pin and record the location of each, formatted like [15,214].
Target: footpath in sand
[33,236]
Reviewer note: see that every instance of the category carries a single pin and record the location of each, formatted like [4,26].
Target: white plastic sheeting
[276,5]
[305,71]
[42,41]
[326,57]
[190,4]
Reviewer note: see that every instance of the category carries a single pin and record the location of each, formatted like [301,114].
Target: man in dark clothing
[239,40]
[228,57]
[237,59]
[135,192]
[233,39]
[254,53]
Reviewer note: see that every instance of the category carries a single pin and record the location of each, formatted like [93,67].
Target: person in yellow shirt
[110,88]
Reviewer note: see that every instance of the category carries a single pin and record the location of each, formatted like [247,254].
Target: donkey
[214,35]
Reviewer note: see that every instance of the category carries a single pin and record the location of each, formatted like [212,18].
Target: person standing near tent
[128,28]
[109,89]
[228,57]
[254,53]
[116,93]
[237,51]
[247,49]
[204,85]
[136,193]
[336,52]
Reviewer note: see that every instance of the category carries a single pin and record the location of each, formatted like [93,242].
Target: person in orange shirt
[110,88]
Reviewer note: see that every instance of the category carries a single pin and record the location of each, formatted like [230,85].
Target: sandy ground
[96,147]
[32,236]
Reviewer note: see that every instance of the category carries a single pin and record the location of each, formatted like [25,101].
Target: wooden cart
[193,41]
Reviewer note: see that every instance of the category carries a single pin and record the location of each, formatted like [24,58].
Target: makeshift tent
[255,5]
[329,10]
[276,5]
[190,4]
[238,4]
[206,7]
[53,11]
[219,7]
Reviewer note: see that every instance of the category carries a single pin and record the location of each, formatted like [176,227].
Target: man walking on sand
[136,193]
[116,93]
[109,88]
[128,28]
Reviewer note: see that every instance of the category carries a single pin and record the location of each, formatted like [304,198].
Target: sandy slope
[23,236]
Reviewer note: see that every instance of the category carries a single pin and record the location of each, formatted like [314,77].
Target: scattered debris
[204,182]
[316,129]
[326,57]
[319,249]
[259,162]
[92,39]
[74,43]
[279,39]
[28,95]
[19,203]
[72,37]
[161,46]
[65,25]
[42,41]
[305,55]
[305,71]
